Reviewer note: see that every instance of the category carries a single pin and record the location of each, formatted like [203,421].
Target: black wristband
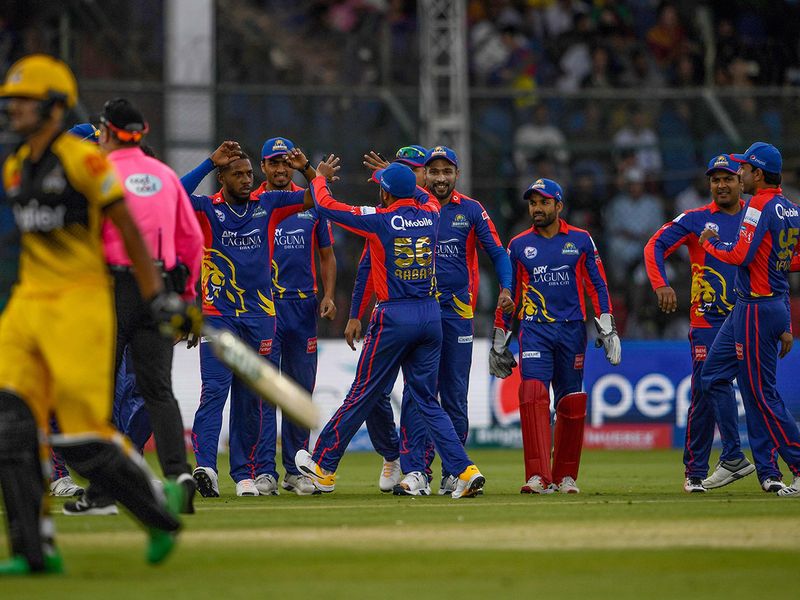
[306,166]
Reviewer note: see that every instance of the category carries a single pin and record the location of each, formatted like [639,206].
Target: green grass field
[631,533]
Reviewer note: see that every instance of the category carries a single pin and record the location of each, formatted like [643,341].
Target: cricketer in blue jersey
[236,295]
[747,345]
[554,264]
[405,328]
[712,299]
[294,291]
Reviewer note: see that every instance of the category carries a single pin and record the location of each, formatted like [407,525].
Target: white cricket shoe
[207,482]
[65,486]
[391,474]
[727,472]
[323,480]
[791,491]
[772,484]
[469,484]
[246,487]
[413,484]
[266,485]
[448,485]
[693,485]
[535,485]
[567,486]
[299,484]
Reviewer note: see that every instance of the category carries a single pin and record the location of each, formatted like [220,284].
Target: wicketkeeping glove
[174,316]
[501,360]
[608,338]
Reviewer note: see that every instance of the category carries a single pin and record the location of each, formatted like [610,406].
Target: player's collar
[714,208]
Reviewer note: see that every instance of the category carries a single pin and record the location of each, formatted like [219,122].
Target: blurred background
[622,102]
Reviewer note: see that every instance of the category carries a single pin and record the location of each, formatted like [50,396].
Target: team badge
[530,252]
[259,212]
[280,146]
[460,221]
[220,215]
[570,248]
[711,226]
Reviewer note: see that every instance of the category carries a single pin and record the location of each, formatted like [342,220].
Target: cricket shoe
[189,485]
[323,480]
[693,485]
[299,484]
[266,485]
[447,485]
[568,486]
[65,486]
[86,506]
[18,565]
[391,475]
[727,472]
[772,484]
[536,485]
[791,491]
[207,482]
[246,487]
[413,484]
[470,483]
[161,542]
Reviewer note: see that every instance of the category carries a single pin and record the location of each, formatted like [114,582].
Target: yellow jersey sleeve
[88,171]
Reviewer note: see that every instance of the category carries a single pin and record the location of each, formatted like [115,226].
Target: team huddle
[117,251]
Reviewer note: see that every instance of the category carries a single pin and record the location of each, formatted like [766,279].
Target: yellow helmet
[40,77]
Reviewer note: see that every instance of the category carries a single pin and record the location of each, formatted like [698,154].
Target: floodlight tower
[444,79]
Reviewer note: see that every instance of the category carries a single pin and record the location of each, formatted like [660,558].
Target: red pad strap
[568,439]
[534,414]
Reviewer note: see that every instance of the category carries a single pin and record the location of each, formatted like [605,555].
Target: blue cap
[441,152]
[723,162]
[761,156]
[547,188]
[276,146]
[397,179]
[413,156]
[86,131]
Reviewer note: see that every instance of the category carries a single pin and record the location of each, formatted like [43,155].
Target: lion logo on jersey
[219,283]
[704,291]
[534,308]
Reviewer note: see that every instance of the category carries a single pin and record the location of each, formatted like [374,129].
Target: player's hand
[501,360]
[786,343]
[667,299]
[174,316]
[504,301]
[374,161]
[707,235]
[227,152]
[327,309]
[296,159]
[352,331]
[608,338]
[328,168]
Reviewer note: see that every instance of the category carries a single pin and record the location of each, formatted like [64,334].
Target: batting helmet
[41,77]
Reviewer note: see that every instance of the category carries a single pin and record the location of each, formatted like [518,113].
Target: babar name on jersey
[293,239]
[244,241]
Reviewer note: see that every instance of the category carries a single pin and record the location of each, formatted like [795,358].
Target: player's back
[57,204]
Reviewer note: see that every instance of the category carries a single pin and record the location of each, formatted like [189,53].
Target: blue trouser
[407,333]
[746,347]
[130,415]
[717,406]
[381,428]
[252,422]
[553,353]
[295,350]
[416,451]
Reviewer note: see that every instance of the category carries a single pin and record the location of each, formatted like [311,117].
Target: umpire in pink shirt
[162,211]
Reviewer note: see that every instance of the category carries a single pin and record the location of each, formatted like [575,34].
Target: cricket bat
[263,378]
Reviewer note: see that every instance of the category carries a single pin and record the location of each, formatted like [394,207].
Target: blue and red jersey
[236,276]
[712,296]
[294,270]
[401,240]
[764,247]
[464,225]
[550,275]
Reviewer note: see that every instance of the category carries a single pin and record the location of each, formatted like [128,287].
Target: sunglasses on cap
[409,152]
